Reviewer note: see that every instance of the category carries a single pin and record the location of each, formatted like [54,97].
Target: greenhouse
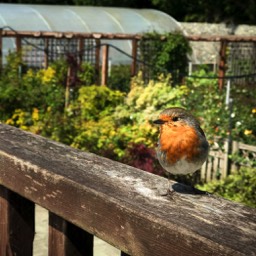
[17,18]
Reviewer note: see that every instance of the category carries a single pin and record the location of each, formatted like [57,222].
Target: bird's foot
[170,193]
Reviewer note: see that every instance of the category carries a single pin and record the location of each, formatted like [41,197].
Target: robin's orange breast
[179,142]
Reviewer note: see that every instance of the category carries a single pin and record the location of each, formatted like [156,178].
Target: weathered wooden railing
[88,195]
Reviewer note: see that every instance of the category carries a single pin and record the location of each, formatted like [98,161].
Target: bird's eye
[175,118]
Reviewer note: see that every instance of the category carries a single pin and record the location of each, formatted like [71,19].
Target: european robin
[182,146]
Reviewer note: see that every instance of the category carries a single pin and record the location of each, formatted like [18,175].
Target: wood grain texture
[120,204]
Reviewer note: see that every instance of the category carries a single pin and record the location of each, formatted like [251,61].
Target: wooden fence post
[18,44]
[225,169]
[104,71]
[97,60]
[235,149]
[4,223]
[66,239]
[46,53]
[134,57]
[222,64]
[17,224]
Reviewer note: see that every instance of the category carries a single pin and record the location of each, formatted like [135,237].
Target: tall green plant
[166,53]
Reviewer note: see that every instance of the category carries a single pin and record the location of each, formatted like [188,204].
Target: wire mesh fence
[241,60]
[235,58]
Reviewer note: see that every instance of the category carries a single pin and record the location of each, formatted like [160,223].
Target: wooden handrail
[118,203]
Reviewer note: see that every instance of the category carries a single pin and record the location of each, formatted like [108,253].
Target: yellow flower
[35,114]
[247,132]
[9,121]
[254,110]
[46,75]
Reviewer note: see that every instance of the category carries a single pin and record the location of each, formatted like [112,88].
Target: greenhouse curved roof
[85,19]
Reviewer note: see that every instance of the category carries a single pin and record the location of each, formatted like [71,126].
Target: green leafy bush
[86,74]
[144,100]
[119,78]
[94,102]
[91,116]
[166,53]
[29,90]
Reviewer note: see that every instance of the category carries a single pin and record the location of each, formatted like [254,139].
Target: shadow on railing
[88,195]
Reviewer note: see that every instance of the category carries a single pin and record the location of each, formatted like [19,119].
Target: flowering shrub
[45,75]
[108,121]
[29,90]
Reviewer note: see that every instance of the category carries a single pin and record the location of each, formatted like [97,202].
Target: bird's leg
[169,192]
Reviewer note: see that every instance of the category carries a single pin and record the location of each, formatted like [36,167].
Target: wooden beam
[17,224]
[121,204]
[123,36]
[52,34]
[134,57]
[66,239]
[222,64]
[4,222]
[218,38]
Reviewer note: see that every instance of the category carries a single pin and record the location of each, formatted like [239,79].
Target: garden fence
[236,57]
[220,163]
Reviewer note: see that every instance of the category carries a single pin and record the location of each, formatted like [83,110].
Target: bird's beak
[159,121]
